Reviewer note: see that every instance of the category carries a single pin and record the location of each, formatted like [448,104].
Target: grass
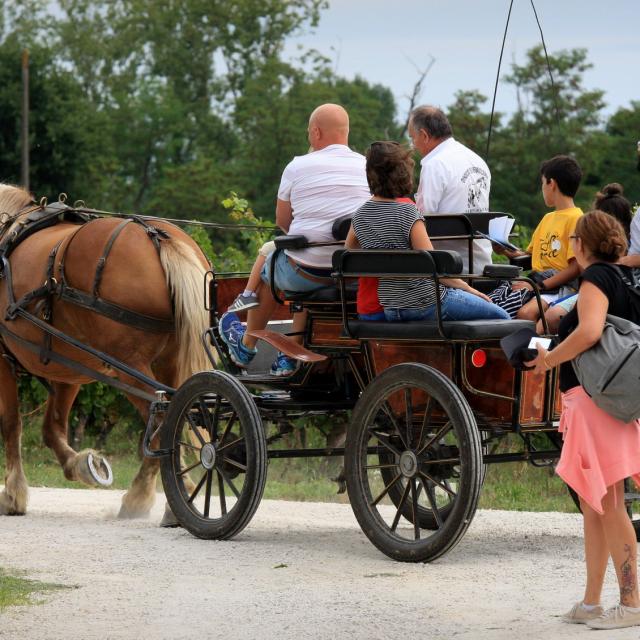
[15,590]
[511,486]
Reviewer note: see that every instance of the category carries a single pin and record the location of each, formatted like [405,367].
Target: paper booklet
[499,230]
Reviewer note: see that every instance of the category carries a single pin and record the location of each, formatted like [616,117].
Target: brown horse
[165,283]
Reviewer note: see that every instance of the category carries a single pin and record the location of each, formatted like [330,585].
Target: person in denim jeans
[384,223]
[456,305]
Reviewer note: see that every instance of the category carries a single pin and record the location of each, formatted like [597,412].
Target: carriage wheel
[414,424]
[215,475]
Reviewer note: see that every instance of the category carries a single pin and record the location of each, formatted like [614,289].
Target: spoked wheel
[215,475]
[413,463]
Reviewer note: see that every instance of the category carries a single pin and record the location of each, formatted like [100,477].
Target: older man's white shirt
[454,179]
[322,186]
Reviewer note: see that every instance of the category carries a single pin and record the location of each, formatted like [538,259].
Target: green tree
[64,127]
[552,118]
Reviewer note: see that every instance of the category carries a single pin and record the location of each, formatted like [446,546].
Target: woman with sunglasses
[598,451]
[384,223]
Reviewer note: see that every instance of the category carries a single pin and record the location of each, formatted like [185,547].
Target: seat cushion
[323,295]
[428,330]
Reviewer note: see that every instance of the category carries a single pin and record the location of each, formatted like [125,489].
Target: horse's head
[13,200]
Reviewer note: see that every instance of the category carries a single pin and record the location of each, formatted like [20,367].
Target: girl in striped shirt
[384,223]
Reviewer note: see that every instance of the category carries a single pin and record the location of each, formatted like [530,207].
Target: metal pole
[25,119]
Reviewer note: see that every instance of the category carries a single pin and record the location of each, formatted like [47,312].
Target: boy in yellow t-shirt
[550,247]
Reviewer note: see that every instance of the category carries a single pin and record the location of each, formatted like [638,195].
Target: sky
[386,41]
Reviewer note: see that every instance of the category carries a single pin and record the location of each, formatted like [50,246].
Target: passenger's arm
[284,214]
[562,277]
[419,239]
[593,305]
[351,242]
[630,261]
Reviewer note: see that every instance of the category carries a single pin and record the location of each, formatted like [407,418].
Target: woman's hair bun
[613,189]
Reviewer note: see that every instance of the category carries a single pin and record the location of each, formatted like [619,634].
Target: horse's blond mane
[13,199]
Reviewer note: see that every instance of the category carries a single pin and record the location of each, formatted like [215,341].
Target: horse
[160,279]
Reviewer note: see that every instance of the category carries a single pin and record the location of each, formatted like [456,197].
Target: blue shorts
[288,276]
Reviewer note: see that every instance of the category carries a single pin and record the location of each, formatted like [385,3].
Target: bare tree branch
[417,89]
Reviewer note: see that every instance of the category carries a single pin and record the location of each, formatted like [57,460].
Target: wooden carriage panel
[327,332]
[385,354]
[495,376]
[532,397]
[557,399]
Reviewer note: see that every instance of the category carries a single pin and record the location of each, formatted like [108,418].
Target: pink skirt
[598,450]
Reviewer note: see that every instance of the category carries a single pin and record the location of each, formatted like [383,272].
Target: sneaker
[243,303]
[579,615]
[231,332]
[283,365]
[616,618]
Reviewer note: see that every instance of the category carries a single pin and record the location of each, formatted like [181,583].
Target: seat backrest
[448,224]
[340,227]
[459,224]
[408,262]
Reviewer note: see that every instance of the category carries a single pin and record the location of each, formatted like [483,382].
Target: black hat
[516,348]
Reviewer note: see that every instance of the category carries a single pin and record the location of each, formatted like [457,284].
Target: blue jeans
[288,276]
[379,316]
[457,305]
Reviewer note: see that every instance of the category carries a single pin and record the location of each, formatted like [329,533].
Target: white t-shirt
[454,179]
[322,186]
[634,244]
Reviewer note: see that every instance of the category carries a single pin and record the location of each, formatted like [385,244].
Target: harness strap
[77,367]
[105,254]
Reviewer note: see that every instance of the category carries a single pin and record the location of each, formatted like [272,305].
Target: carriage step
[286,345]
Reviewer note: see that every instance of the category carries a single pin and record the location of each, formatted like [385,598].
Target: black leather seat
[428,330]
[324,295]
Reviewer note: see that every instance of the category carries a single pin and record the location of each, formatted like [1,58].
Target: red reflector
[478,358]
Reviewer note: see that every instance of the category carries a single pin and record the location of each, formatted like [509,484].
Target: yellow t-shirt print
[550,246]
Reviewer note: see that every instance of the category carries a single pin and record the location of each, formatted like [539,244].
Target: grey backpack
[610,371]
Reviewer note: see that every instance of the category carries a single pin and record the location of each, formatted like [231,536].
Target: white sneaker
[616,618]
[579,615]
[243,303]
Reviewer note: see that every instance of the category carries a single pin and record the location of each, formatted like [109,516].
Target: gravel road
[300,570]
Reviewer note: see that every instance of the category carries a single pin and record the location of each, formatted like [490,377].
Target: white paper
[500,228]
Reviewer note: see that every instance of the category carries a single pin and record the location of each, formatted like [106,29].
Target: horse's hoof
[100,470]
[169,521]
[12,506]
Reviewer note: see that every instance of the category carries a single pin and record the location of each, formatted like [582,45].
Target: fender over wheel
[413,424]
[215,475]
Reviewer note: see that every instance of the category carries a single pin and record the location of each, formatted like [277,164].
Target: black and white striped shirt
[387,225]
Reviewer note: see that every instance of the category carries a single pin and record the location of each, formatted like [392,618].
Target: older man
[315,189]
[453,179]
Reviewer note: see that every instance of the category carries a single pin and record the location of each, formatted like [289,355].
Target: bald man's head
[328,124]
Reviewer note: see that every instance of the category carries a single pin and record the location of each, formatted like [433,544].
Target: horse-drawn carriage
[427,403]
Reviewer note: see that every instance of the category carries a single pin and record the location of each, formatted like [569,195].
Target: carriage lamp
[479,358]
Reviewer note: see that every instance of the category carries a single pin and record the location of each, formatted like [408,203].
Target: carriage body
[425,404]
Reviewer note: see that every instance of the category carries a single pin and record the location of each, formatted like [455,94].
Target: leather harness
[43,216]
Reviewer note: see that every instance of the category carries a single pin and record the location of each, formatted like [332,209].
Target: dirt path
[510,577]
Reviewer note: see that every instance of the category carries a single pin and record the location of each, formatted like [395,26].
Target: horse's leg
[139,499]
[13,499]
[75,465]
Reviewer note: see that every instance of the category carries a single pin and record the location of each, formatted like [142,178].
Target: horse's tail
[185,278]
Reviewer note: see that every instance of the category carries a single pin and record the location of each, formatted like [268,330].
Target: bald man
[315,189]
